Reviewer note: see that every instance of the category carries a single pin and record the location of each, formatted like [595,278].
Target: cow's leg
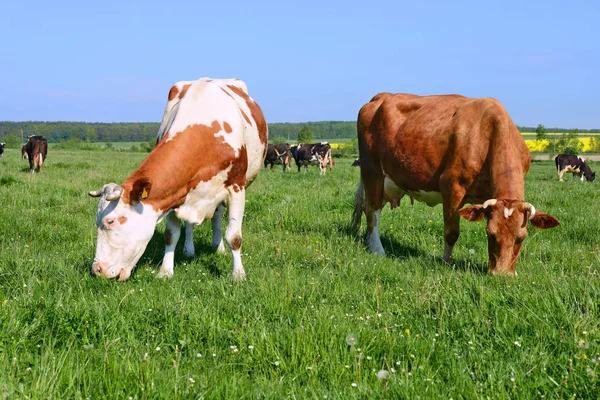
[172,232]
[217,232]
[373,204]
[452,196]
[188,248]
[233,234]
[560,175]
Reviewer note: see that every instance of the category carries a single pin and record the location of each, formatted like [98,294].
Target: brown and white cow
[213,147]
[451,150]
[36,150]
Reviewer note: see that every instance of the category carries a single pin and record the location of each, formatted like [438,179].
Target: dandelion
[191,380]
[250,347]
[383,375]
[157,348]
[199,355]
[407,331]
[517,343]
[582,344]
[351,339]
[276,363]
[591,372]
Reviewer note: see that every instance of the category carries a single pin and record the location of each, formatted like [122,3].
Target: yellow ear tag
[144,193]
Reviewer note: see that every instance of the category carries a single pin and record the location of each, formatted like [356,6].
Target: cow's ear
[141,189]
[472,213]
[544,221]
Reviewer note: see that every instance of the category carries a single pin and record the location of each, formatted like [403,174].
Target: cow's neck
[507,172]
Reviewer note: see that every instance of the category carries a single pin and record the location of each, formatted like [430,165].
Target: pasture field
[318,316]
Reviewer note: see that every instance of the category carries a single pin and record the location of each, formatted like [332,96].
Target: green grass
[442,331]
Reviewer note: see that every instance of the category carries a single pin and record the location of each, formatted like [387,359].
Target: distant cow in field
[36,149]
[356,163]
[2,149]
[306,154]
[278,154]
[211,146]
[574,164]
[451,150]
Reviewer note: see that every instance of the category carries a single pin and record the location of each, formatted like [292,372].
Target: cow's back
[225,102]
[417,139]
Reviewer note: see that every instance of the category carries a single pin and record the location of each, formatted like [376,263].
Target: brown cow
[36,149]
[451,150]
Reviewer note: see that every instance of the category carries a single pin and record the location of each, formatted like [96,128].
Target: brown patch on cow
[173,92]
[257,114]
[237,174]
[168,237]
[122,220]
[227,93]
[227,127]
[184,90]
[248,120]
[176,166]
[236,242]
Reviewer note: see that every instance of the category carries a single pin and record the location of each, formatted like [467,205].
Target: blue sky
[114,61]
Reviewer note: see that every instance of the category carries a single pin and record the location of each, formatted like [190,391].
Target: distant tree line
[144,131]
[17,132]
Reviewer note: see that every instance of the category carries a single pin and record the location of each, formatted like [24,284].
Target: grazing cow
[574,164]
[213,143]
[2,149]
[36,149]
[278,154]
[356,163]
[24,151]
[312,154]
[451,150]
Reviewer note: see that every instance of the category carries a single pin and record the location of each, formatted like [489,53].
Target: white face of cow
[124,231]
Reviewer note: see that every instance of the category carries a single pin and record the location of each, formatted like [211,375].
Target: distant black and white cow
[2,149]
[356,163]
[574,164]
[278,154]
[306,154]
[36,149]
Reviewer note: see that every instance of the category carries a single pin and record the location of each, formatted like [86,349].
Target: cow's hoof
[164,274]
[191,253]
[220,248]
[239,276]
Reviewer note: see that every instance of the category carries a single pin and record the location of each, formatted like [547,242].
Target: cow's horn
[95,193]
[115,194]
[490,202]
[276,152]
[529,207]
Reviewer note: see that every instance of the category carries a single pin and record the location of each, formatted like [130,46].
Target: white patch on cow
[373,240]
[202,201]
[581,158]
[392,191]
[508,212]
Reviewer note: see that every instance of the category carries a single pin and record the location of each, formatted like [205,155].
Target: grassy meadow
[318,316]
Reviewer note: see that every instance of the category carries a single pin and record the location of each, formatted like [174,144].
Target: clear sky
[114,61]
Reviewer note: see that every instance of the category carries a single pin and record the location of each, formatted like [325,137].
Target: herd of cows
[447,149]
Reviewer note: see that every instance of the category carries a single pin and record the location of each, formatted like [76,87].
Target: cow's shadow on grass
[399,250]
[155,252]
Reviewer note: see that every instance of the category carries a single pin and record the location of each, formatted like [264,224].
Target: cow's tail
[168,118]
[359,201]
